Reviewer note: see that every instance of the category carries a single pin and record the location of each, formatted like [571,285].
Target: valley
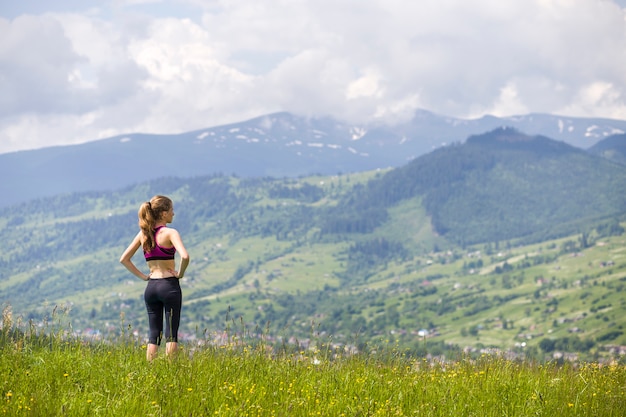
[506,243]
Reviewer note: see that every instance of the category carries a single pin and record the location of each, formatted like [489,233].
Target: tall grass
[46,373]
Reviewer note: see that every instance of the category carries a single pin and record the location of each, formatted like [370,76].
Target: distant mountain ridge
[276,145]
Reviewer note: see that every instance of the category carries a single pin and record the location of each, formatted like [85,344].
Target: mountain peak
[512,139]
[504,134]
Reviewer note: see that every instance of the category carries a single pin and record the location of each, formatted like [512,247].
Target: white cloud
[507,103]
[365,86]
[95,69]
[600,99]
[35,59]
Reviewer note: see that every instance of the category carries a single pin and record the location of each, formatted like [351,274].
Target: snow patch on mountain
[319,134]
[355,152]
[595,131]
[357,133]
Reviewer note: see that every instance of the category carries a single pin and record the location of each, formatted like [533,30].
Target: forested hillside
[472,244]
[612,148]
[499,186]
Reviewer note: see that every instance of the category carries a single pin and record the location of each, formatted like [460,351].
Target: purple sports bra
[159,252]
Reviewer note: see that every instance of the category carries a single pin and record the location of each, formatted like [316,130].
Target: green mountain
[499,186]
[506,240]
[612,148]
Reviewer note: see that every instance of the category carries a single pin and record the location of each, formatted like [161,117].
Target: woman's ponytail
[149,213]
[146,224]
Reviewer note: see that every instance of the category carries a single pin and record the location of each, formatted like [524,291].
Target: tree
[547,345]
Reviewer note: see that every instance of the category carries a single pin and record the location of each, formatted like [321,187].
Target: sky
[73,71]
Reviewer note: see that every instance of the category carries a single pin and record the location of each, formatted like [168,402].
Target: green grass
[44,374]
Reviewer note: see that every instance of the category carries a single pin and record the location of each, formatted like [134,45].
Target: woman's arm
[127,256]
[177,242]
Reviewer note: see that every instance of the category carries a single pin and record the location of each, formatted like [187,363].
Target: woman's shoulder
[169,230]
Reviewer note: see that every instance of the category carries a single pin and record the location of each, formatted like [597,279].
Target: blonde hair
[149,213]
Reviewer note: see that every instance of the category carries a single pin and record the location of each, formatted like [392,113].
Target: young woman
[163,294]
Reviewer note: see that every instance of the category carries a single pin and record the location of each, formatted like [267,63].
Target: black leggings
[161,295]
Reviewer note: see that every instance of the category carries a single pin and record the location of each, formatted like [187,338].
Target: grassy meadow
[45,373]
